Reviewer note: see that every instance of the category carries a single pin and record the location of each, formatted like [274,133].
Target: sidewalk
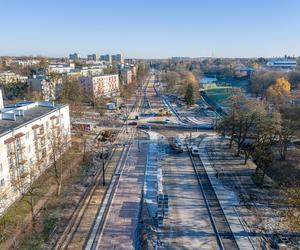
[227,198]
[152,165]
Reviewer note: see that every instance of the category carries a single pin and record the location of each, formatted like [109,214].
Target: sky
[150,28]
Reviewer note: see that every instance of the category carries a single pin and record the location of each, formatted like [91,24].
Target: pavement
[123,217]
[227,198]
[188,225]
[153,164]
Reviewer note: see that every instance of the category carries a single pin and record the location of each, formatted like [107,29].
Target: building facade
[126,76]
[28,131]
[49,87]
[93,57]
[7,77]
[61,68]
[106,58]
[282,64]
[118,58]
[74,56]
[97,86]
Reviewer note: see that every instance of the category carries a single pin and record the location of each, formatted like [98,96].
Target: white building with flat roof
[61,68]
[282,64]
[28,131]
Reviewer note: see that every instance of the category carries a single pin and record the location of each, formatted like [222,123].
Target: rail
[78,213]
[99,223]
[225,239]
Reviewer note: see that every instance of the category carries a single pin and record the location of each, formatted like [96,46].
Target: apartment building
[7,77]
[286,64]
[104,85]
[118,58]
[126,75]
[106,58]
[61,68]
[26,62]
[74,56]
[47,87]
[28,133]
[93,57]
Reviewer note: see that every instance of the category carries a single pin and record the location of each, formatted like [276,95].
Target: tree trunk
[231,138]
[263,176]
[284,151]
[246,157]
[32,208]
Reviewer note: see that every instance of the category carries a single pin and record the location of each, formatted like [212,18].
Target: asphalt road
[188,225]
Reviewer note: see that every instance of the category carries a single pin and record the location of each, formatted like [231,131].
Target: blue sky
[151,28]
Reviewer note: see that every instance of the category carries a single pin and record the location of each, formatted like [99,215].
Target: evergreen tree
[189,95]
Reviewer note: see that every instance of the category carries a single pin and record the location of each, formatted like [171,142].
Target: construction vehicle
[164,112]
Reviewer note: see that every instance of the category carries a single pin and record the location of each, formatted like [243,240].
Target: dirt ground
[287,173]
[262,209]
[25,236]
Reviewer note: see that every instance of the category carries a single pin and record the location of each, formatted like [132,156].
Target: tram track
[221,227]
[81,225]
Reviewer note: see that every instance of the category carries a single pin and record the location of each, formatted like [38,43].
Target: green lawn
[219,94]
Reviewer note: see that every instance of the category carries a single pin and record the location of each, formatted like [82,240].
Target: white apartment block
[28,131]
[26,63]
[7,77]
[104,85]
[61,68]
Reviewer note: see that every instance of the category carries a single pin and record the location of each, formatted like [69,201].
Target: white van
[195,151]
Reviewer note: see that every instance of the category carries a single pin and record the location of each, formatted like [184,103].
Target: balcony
[22,161]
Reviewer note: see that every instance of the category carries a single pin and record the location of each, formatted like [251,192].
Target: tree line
[259,129]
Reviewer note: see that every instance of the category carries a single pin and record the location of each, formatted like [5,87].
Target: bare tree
[59,142]
[23,174]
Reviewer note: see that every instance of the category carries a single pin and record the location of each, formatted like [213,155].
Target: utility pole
[190,138]
[139,141]
[126,121]
[103,166]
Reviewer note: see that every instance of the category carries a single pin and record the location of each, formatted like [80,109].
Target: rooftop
[34,112]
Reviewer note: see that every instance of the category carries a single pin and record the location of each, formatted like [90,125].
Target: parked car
[143,126]
[195,151]
[132,123]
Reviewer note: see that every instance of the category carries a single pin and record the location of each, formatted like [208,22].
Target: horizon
[151,30]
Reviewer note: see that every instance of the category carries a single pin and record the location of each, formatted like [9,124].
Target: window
[19,143]
[1,167]
[11,162]
[47,125]
[9,149]
[27,135]
[29,149]
[2,182]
